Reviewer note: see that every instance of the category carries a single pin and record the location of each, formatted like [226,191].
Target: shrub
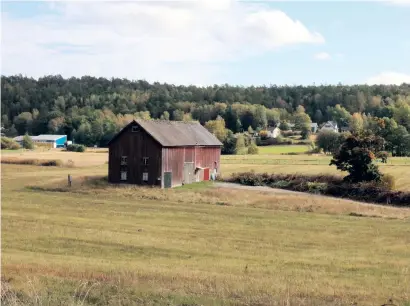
[388,182]
[8,143]
[315,187]
[76,148]
[27,142]
[253,149]
[383,155]
[32,161]
[375,192]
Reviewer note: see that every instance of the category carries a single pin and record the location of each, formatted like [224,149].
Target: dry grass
[86,159]
[34,162]
[195,245]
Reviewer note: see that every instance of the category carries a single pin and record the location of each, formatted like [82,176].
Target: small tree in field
[240,147]
[253,149]
[27,142]
[356,156]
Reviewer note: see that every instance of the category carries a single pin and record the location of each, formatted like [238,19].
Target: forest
[91,110]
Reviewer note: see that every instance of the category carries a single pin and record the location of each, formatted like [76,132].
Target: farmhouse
[330,126]
[55,141]
[273,132]
[163,153]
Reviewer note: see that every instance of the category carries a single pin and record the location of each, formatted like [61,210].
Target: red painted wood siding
[173,160]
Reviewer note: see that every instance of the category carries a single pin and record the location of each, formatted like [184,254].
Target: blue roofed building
[56,141]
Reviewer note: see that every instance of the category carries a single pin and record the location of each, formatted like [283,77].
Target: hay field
[399,167]
[101,245]
[280,149]
[91,157]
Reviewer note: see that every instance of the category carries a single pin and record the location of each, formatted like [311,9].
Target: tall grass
[32,161]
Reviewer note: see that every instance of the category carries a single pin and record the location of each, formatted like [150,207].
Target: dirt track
[277,191]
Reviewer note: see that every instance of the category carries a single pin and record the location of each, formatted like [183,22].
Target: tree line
[91,110]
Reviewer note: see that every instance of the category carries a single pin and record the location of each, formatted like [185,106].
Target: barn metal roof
[177,133]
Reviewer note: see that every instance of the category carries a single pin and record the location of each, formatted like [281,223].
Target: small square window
[124,160]
[145,176]
[123,175]
[135,128]
[145,160]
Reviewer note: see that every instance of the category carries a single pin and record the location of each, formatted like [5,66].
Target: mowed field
[94,244]
[270,159]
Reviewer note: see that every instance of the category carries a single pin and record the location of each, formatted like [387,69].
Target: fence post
[69,180]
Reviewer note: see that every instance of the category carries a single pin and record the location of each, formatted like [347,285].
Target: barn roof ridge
[175,133]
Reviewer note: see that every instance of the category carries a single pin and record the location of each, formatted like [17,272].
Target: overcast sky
[210,41]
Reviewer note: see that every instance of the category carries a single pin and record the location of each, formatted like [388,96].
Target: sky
[206,42]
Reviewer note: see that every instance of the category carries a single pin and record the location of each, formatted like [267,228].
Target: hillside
[93,109]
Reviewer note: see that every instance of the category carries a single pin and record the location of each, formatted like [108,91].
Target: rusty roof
[177,133]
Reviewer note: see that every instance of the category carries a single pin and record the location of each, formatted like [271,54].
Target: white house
[330,126]
[273,132]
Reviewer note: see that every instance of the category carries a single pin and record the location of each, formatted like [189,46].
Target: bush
[33,162]
[388,182]
[27,142]
[383,155]
[8,143]
[253,149]
[76,148]
[375,192]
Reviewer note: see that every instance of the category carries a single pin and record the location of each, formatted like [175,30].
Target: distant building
[163,153]
[330,126]
[56,141]
[344,129]
[314,127]
[273,132]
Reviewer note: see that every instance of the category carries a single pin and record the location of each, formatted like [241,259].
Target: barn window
[123,175]
[124,160]
[145,160]
[135,128]
[145,176]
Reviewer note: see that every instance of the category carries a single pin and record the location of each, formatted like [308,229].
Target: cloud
[389,78]
[179,42]
[398,2]
[322,56]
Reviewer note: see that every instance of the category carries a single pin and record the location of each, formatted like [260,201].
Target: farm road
[277,191]
[258,188]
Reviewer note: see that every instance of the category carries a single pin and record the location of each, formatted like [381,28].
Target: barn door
[189,175]
[206,174]
[167,179]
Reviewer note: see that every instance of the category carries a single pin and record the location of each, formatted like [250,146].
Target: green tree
[303,123]
[356,156]
[229,143]
[340,115]
[217,127]
[27,142]
[328,141]
[240,147]
[356,124]
[165,116]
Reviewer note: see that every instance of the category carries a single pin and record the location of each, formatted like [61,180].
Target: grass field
[282,149]
[399,167]
[196,245]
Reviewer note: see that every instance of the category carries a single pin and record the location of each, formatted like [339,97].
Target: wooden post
[69,180]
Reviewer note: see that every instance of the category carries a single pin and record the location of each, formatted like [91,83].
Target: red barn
[163,153]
